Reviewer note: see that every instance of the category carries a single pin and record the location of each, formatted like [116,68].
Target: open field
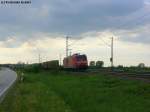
[77,92]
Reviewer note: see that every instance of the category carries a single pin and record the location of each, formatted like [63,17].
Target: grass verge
[72,92]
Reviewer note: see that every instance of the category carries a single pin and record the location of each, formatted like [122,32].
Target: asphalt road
[7,78]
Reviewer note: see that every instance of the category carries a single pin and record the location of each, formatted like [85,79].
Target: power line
[112,52]
[67,46]
[37,50]
[135,31]
[60,59]
[74,42]
[133,20]
[105,42]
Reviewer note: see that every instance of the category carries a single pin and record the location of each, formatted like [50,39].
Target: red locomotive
[76,61]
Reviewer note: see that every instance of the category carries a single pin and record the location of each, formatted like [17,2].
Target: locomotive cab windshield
[81,58]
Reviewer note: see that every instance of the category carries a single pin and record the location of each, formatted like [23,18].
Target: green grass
[72,92]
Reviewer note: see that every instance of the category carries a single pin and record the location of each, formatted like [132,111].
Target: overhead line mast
[112,52]
[60,59]
[67,46]
[111,46]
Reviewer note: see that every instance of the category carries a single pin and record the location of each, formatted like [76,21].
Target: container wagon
[54,64]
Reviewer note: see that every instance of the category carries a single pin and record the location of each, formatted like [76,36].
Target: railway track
[134,76]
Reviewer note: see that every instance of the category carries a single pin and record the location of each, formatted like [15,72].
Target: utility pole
[39,58]
[60,59]
[112,52]
[67,46]
[111,46]
[70,52]
[39,55]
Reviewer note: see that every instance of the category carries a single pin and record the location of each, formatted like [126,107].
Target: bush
[33,68]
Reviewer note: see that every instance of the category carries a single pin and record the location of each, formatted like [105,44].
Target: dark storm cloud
[64,16]
[80,16]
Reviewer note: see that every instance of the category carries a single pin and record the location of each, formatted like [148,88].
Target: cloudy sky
[41,27]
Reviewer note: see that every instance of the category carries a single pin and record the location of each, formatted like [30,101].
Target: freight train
[76,61]
[54,64]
